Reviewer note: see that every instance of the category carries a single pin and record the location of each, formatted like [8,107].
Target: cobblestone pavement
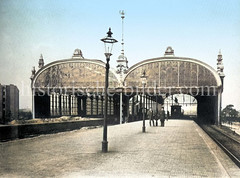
[180,149]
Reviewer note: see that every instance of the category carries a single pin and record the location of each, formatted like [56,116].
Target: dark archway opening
[181,106]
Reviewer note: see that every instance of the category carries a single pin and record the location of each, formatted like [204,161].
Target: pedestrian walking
[162,117]
[150,116]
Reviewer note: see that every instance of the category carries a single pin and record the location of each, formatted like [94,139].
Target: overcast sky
[195,29]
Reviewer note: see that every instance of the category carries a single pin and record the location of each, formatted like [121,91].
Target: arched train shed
[75,87]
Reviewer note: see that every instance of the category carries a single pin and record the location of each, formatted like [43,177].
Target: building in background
[9,103]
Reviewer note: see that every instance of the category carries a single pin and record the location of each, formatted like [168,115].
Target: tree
[229,111]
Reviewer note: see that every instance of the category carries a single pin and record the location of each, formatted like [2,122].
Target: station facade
[75,87]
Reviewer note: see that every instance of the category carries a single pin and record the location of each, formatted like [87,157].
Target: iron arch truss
[175,74]
[72,74]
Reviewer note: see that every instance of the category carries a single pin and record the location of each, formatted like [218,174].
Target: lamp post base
[104,146]
[144,129]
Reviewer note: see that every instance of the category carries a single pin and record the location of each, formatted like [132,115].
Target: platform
[180,149]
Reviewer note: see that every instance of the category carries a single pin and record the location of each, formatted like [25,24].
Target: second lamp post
[108,42]
[144,82]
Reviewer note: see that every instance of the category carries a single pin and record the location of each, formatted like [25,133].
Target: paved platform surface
[180,149]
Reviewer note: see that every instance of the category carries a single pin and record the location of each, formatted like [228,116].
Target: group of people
[156,116]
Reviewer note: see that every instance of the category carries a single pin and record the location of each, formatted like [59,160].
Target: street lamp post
[156,101]
[156,115]
[144,81]
[108,42]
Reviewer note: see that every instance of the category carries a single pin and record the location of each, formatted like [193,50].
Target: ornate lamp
[108,42]
[144,82]
[144,78]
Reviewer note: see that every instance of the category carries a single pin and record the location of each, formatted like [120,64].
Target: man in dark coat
[162,117]
[150,116]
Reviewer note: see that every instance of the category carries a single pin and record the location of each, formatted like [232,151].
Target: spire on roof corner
[220,66]
[40,62]
[219,56]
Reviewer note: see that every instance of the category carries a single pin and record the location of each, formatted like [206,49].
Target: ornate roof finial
[77,54]
[169,51]
[41,62]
